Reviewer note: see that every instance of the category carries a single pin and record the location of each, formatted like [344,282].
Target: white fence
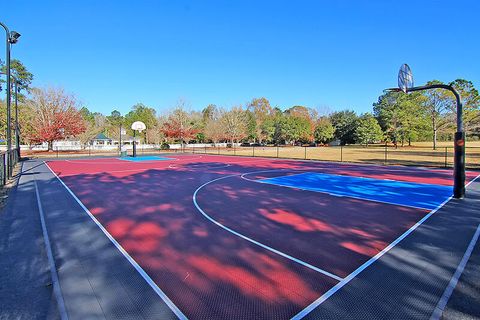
[77,146]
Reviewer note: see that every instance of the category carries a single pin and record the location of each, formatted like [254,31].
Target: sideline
[139,269]
[51,260]
[442,303]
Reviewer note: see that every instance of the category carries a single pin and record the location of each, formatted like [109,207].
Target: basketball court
[222,237]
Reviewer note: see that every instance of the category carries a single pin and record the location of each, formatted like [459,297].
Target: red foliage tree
[55,116]
[179,126]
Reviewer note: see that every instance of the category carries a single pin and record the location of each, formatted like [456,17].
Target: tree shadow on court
[206,271]
[336,234]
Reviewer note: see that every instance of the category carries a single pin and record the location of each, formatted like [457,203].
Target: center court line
[139,269]
[171,166]
[95,162]
[264,246]
[227,164]
[126,170]
[352,275]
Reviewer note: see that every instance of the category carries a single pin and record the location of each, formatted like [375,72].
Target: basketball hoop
[405,84]
[405,78]
[138,126]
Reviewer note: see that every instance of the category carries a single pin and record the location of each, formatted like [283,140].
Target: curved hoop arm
[459,146]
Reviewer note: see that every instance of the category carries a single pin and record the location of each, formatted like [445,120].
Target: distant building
[101,140]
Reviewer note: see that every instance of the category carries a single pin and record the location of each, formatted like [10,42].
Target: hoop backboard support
[137,126]
[405,78]
[405,84]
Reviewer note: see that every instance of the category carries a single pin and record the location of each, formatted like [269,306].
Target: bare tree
[92,128]
[155,135]
[214,130]
[234,123]
[90,132]
[179,124]
[436,104]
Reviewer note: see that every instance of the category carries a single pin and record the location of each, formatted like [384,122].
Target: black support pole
[459,165]
[446,157]
[134,145]
[9,101]
[120,141]
[17,127]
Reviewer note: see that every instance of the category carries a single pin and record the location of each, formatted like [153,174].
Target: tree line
[50,114]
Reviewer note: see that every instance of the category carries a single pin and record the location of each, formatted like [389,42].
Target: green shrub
[165,146]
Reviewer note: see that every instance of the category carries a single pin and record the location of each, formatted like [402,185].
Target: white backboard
[405,78]
[139,126]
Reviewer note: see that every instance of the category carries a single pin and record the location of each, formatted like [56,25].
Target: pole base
[459,166]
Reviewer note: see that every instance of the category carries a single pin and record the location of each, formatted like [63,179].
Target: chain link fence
[376,154]
[414,156]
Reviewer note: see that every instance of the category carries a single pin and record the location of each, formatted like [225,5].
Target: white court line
[96,162]
[194,198]
[172,166]
[114,171]
[86,160]
[352,275]
[129,170]
[227,164]
[442,303]
[139,269]
[51,260]
[165,162]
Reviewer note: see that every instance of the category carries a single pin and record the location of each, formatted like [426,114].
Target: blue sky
[326,54]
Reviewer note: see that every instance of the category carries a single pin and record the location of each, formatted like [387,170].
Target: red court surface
[222,246]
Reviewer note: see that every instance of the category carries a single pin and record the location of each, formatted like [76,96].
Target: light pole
[11,38]
[17,128]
